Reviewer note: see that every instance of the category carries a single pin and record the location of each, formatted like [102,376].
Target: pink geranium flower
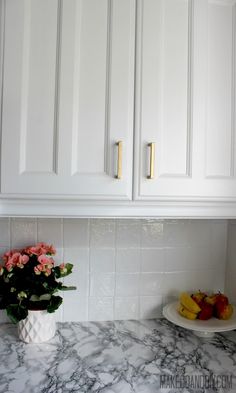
[16,259]
[9,254]
[41,249]
[32,250]
[9,266]
[39,269]
[45,260]
[46,248]
[43,269]
[23,259]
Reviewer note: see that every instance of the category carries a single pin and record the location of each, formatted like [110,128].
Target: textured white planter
[37,327]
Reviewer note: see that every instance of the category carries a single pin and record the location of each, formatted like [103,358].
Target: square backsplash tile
[101,308]
[76,233]
[128,234]
[102,260]
[5,232]
[126,308]
[152,234]
[102,284]
[50,231]
[153,259]
[102,233]
[151,307]
[128,260]
[127,284]
[23,232]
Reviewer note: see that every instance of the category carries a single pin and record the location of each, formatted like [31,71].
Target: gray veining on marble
[113,357]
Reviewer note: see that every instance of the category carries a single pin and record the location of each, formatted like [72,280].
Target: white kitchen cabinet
[68,87]
[72,84]
[186,100]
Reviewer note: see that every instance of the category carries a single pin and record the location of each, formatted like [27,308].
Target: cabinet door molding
[68,97]
[164,96]
[186,100]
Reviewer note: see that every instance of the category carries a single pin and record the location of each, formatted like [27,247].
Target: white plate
[200,328]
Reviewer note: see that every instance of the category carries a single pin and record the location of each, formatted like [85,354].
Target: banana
[189,303]
[186,313]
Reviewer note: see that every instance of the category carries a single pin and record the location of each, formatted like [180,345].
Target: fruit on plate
[211,299]
[221,298]
[216,298]
[203,306]
[189,303]
[206,311]
[224,311]
[198,296]
[186,313]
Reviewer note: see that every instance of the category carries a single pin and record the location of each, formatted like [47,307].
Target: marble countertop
[146,356]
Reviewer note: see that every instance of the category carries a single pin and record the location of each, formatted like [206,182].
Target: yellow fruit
[189,303]
[211,299]
[186,313]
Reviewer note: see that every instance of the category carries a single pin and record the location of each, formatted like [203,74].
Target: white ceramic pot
[37,327]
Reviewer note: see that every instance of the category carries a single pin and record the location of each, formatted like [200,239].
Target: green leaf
[46,296]
[54,304]
[16,312]
[69,267]
[63,272]
[65,288]
[57,271]
[34,298]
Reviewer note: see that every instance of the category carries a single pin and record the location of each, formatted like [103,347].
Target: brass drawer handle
[152,160]
[119,160]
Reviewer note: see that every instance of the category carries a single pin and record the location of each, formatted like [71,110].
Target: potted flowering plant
[29,281]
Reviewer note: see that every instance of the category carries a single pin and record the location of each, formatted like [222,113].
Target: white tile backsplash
[126,308]
[4,232]
[101,308]
[76,233]
[152,234]
[102,260]
[128,260]
[102,284]
[23,232]
[75,307]
[128,234]
[50,231]
[153,260]
[128,269]
[151,307]
[80,276]
[102,233]
[127,284]
[151,284]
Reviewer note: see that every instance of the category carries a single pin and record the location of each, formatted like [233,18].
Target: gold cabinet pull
[119,160]
[152,160]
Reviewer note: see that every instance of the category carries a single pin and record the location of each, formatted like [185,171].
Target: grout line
[37,230]
[89,267]
[140,265]
[115,245]
[10,233]
[63,255]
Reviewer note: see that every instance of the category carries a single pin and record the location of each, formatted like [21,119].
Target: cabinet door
[68,97]
[186,99]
